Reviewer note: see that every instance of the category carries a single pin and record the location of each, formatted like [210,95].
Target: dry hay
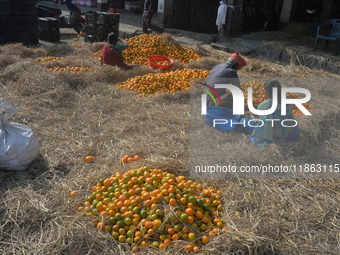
[168,38]
[75,115]
[299,30]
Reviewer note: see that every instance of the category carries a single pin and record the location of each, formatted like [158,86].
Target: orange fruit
[88,158]
[146,196]
[205,239]
[171,231]
[73,194]
[188,248]
[184,217]
[173,202]
[191,219]
[101,226]
[175,237]
[207,192]
[136,249]
[183,200]
[190,211]
[137,158]
[148,203]
[199,214]
[157,223]
[167,241]
[192,236]
[148,224]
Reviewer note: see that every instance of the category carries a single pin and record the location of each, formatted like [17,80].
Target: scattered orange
[89,159]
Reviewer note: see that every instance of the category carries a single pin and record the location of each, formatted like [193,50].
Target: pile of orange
[259,95]
[169,82]
[49,58]
[127,159]
[152,208]
[161,63]
[72,69]
[143,46]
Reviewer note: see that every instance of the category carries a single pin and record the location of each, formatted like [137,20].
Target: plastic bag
[18,145]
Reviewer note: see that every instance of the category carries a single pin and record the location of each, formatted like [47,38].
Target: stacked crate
[99,24]
[49,29]
[18,22]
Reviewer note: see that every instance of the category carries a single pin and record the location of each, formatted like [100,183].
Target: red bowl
[154,58]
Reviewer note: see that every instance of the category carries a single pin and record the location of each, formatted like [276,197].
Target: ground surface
[80,114]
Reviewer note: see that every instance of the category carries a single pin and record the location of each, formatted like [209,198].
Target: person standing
[149,10]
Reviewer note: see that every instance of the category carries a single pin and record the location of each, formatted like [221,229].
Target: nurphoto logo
[238,103]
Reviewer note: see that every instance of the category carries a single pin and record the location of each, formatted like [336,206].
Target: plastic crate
[50,36]
[90,38]
[113,29]
[91,17]
[90,29]
[98,18]
[18,23]
[25,23]
[113,19]
[113,23]
[5,7]
[6,37]
[6,23]
[31,23]
[102,18]
[26,37]
[17,7]
[101,32]
[30,7]
[48,24]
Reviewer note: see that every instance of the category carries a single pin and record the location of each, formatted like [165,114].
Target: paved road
[127,30]
[245,44]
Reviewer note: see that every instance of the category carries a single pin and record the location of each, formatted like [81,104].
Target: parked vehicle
[74,20]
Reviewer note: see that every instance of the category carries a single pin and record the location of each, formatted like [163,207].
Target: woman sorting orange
[112,53]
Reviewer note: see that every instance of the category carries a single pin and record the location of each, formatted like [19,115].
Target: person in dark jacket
[149,9]
[225,73]
[112,53]
[74,11]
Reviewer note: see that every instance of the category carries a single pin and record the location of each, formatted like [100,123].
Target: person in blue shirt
[149,9]
[265,132]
